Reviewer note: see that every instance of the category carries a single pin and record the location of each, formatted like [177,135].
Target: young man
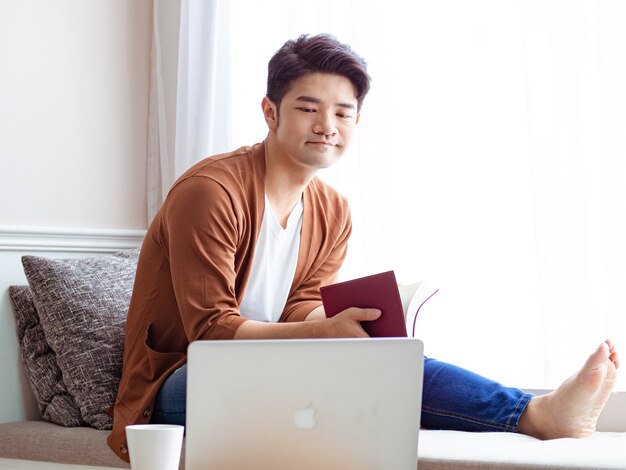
[245,240]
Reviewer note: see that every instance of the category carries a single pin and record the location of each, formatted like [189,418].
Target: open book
[413,297]
[399,305]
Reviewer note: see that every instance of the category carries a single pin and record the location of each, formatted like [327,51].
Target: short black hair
[314,54]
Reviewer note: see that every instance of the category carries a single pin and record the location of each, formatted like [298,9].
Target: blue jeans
[453,399]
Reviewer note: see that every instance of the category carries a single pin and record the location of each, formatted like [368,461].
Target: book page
[413,296]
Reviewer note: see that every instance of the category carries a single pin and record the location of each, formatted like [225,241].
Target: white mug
[154,446]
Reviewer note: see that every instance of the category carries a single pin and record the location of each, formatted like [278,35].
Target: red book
[376,291]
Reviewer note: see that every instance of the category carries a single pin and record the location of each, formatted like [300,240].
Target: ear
[358,118]
[270,113]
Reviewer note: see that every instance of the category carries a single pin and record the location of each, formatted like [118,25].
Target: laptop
[304,404]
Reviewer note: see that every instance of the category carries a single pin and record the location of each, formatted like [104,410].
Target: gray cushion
[82,305]
[55,403]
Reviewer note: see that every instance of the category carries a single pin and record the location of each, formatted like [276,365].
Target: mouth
[321,143]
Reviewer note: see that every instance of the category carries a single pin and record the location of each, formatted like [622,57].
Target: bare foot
[572,410]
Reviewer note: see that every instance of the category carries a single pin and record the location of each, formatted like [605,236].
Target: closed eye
[306,110]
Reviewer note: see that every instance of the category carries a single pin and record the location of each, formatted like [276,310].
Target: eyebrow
[311,99]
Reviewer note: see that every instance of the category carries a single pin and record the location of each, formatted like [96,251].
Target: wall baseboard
[68,239]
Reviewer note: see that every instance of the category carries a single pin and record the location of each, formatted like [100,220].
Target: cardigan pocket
[160,363]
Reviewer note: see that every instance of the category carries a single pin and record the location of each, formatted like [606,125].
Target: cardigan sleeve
[201,230]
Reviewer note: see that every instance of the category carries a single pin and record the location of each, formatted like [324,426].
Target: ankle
[534,420]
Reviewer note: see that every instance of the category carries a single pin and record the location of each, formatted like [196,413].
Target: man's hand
[347,324]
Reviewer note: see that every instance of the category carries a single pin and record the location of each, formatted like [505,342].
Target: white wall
[74,86]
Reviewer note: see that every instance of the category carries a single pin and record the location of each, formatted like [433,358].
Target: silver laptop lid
[304,404]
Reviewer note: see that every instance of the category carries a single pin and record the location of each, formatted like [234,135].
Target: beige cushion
[43,441]
[438,450]
[455,450]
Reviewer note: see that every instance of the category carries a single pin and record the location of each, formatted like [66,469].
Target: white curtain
[189,112]
[489,162]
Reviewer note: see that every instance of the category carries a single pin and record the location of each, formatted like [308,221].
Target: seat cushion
[48,442]
[438,450]
[456,450]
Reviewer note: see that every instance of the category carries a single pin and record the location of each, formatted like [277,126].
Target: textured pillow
[55,403]
[82,305]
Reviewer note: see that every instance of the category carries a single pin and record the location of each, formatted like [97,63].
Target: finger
[361,333]
[371,314]
[360,314]
[614,357]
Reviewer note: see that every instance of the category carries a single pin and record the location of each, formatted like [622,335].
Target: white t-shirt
[273,266]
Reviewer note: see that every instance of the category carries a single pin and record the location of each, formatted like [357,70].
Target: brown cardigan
[194,265]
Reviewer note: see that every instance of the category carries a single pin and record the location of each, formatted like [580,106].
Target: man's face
[316,120]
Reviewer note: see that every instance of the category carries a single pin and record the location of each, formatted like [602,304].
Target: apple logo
[304,418]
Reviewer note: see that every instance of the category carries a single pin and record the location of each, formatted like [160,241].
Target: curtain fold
[189,112]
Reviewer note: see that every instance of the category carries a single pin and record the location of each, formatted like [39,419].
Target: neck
[284,182]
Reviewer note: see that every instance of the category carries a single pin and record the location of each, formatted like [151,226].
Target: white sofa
[27,442]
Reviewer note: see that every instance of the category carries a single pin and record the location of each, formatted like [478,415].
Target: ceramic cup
[154,446]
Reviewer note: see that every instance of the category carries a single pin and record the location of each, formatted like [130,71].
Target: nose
[325,125]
